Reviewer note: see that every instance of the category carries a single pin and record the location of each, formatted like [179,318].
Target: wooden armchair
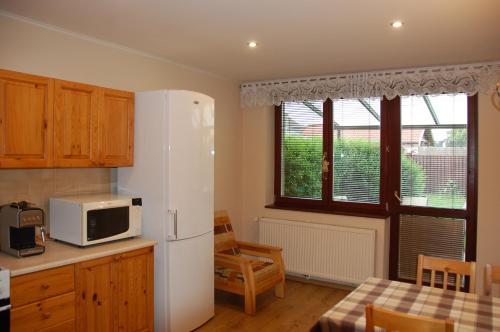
[243,275]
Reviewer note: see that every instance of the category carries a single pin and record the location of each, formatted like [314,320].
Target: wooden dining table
[470,312]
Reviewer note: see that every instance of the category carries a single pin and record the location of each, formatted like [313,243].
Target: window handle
[397,196]
[326,164]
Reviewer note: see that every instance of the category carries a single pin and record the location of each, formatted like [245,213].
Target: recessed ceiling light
[397,24]
[252,44]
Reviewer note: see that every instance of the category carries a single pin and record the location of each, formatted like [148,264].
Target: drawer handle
[46,315]
[45,286]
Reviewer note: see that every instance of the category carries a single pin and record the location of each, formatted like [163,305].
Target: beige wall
[488,226]
[258,160]
[30,48]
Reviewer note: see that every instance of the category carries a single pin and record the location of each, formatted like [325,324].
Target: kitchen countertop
[58,254]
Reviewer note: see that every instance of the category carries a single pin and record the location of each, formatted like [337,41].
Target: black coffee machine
[17,229]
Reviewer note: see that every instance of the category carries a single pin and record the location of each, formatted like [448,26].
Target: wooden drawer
[37,286]
[45,315]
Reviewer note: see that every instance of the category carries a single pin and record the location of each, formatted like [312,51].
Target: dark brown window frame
[389,170]
[389,180]
[327,204]
[469,214]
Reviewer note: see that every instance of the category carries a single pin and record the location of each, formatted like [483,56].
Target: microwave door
[108,222]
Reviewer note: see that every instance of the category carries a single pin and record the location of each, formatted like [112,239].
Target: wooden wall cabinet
[46,122]
[26,107]
[112,293]
[116,128]
[75,124]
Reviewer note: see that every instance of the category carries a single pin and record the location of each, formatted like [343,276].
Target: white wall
[36,49]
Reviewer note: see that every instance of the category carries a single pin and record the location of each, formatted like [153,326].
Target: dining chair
[402,322]
[491,275]
[447,266]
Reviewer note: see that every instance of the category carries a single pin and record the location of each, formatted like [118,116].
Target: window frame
[389,136]
[390,127]
[326,204]
[469,214]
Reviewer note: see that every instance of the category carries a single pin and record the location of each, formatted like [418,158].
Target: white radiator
[341,254]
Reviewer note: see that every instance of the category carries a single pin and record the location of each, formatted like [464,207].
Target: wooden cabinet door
[116,128]
[94,295]
[25,120]
[75,124]
[134,297]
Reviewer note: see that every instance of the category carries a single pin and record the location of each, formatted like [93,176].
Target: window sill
[371,214]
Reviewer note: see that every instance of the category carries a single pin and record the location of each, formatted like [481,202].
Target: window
[356,151]
[432,217]
[412,159]
[436,142]
[334,155]
[302,150]
[330,154]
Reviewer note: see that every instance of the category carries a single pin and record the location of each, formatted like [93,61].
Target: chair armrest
[230,261]
[259,250]
[258,247]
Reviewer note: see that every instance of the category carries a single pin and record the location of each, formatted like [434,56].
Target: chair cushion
[260,269]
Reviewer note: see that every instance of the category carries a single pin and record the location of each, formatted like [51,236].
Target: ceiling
[295,37]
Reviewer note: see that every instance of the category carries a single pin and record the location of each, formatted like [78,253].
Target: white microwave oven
[90,219]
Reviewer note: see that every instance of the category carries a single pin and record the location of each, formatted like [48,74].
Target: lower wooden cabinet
[134,291]
[112,293]
[94,295]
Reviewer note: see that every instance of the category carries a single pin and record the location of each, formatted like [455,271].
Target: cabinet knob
[46,315]
[45,286]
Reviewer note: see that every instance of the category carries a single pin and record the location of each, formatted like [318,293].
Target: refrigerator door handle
[173,237]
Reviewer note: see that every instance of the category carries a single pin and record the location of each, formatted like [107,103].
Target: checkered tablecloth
[470,312]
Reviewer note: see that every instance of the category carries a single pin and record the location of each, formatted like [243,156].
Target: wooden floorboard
[303,304]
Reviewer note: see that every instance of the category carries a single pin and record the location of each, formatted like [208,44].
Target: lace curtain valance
[470,79]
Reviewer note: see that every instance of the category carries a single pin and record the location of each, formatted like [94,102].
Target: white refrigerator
[173,172]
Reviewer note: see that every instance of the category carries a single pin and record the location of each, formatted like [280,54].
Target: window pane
[414,111]
[442,105]
[302,149]
[424,235]
[356,150]
[434,155]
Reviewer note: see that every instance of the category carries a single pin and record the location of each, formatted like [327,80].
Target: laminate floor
[303,304]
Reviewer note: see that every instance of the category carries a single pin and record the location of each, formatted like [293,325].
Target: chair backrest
[224,241]
[401,322]
[447,266]
[491,275]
